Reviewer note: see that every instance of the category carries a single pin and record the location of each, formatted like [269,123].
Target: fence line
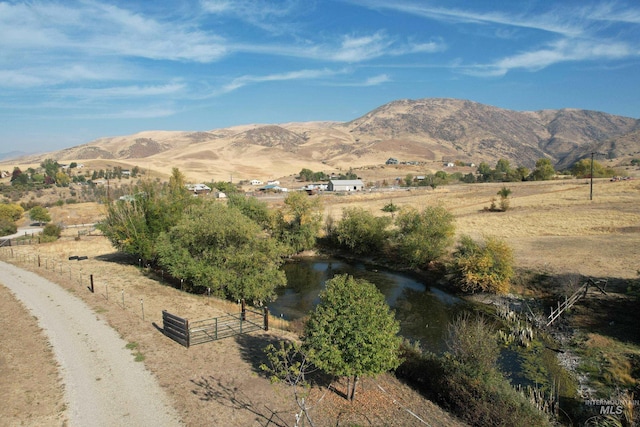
[248,320]
[573,299]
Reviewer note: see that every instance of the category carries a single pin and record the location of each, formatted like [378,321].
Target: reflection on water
[423,311]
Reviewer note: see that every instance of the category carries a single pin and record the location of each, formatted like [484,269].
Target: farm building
[346,185]
[199,189]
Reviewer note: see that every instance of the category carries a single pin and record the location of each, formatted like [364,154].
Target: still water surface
[422,310]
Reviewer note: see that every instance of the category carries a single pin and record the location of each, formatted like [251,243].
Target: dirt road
[104,386]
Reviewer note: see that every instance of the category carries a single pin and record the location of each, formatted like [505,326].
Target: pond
[422,310]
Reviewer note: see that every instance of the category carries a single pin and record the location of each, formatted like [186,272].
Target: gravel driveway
[103,384]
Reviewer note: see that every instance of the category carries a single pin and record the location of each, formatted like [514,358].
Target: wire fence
[78,276]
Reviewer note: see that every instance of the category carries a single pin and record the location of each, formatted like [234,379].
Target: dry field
[552,226]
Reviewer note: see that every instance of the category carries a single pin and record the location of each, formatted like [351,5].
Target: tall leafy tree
[133,225]
[544,170]
[423,237]
[50,167]
[39,214]
[299,221]
[352,332]
[218,247]
[361,232]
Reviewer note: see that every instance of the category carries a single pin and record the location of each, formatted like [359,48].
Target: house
[346,185]
[256,182]
[391,161]
[199,189]
[274,188]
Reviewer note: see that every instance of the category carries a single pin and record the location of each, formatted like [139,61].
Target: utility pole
[591,174]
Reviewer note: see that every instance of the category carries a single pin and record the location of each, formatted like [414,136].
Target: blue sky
[73,71]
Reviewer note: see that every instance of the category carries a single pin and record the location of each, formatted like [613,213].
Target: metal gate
[202,331]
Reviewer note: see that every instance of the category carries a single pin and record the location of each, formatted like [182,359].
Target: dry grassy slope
[429,130]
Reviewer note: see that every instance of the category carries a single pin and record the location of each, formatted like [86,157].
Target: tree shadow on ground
[118,258]
[210,389]
[252,351]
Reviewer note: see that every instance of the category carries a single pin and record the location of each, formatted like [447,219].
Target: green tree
[11,211]
[469,178]
[485,172]
[7,227]
[218,247]
[483,266]
[134,225]
[522,173]
[39,214]
[503,166]
[544,170]
[408,180]
[299,221]
[18,178]
[352,332]
[306,174]
[361,232]
[251,207]
[582,169]
[62,179]
[423,237]
[50,167]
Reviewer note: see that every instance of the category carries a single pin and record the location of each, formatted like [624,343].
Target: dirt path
[103,383]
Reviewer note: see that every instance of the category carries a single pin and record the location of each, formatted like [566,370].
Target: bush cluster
[479,398]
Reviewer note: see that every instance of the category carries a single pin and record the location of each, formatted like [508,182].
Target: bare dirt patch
[32,394]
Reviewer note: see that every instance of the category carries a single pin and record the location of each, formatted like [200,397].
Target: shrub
[425,236]
[10,211]
[485,399]
[52,230]
[7,227]
[485,266]
[473,341]
[361,232]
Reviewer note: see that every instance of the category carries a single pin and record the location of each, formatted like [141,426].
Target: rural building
[274,188]
[199,189]
[346,185]
[256,182]
[392,161]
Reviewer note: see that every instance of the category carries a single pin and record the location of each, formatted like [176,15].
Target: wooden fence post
[38,260]
[91,289]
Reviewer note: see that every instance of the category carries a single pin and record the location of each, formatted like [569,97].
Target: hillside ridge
[421,130]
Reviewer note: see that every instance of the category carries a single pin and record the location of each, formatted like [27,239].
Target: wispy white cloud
[95,29]
[274,17]
[242,81]
[133,91]
[551,21]
[141,113]
[557,52]
[348,48]
[371,81]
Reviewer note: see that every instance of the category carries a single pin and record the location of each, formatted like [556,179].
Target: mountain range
[424,130]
